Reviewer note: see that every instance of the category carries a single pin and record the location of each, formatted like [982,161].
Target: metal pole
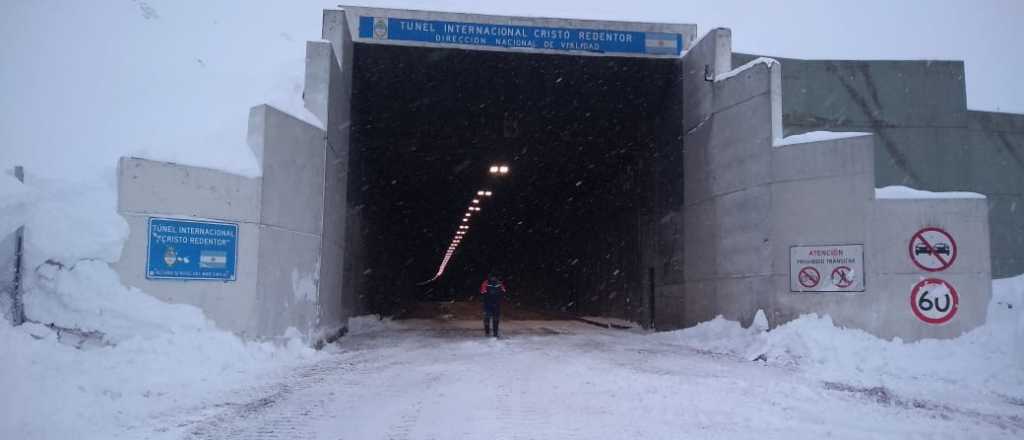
[17,307]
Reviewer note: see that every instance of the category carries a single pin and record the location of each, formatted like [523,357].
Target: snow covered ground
[421,379]
[565,380]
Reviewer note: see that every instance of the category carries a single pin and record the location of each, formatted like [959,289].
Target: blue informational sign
[514,36]
[191,250]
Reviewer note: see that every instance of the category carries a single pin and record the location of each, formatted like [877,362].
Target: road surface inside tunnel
[435,379]
[579,134]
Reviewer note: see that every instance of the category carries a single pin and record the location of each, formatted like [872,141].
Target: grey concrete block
[700,302]
[162,188]
[826,211]
[696,174]
[891,292]
[710,56]
[669,300]
[294,155]
[289,268]
[231,305]
[743,220]
[316,89]
[669,245]
[738,153]
[994,121]
[838,157]
[737,298]
[701,241]
[752,82]
[829,93]
[894,223]
[744,124]
[1006,226]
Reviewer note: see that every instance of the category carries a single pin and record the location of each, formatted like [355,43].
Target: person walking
[492,290]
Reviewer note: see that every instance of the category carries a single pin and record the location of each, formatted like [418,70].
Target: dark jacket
[492,290]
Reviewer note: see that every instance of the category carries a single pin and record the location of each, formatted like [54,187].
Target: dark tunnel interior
[563,228]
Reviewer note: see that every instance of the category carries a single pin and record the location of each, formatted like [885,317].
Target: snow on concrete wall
[752,196]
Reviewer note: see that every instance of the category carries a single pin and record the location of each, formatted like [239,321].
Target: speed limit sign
[934,301]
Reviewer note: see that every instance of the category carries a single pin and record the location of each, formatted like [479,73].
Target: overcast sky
[85,82]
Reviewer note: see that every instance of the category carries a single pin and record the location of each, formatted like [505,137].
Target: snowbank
[53,390]
[988,360]
[906,192]
[139,357]
[817,136]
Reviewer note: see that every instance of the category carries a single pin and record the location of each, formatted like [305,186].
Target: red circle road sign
[842,277]
[932,249]
[809,277]
[934,301]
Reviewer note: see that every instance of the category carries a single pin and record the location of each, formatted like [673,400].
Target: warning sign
[841,265]
[932,249]
[934,301]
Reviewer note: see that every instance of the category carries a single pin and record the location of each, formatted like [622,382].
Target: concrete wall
[280,217]
[748,201]
[927,138]
[343,218]
[159,189]
[291,221]
[727,177]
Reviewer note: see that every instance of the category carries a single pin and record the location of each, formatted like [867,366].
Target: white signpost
[826,268]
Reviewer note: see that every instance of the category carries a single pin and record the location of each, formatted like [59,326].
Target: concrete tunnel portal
[564,227]
[652,179]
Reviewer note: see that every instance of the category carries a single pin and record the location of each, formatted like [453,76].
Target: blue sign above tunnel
[191,250]
[520,37]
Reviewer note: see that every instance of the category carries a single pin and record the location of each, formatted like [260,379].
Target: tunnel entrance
[570,227]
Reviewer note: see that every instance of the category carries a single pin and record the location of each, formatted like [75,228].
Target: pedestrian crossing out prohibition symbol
[842,277]
[932,249]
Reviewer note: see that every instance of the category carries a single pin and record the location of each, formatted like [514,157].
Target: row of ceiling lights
[474,207]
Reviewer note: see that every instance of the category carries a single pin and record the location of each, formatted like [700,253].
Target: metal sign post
[17,307]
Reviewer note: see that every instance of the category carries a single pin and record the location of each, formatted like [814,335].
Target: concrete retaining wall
[281,223]
[748,201]
[159,189]
[926,136]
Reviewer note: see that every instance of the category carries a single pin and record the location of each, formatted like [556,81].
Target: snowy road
[563,380]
